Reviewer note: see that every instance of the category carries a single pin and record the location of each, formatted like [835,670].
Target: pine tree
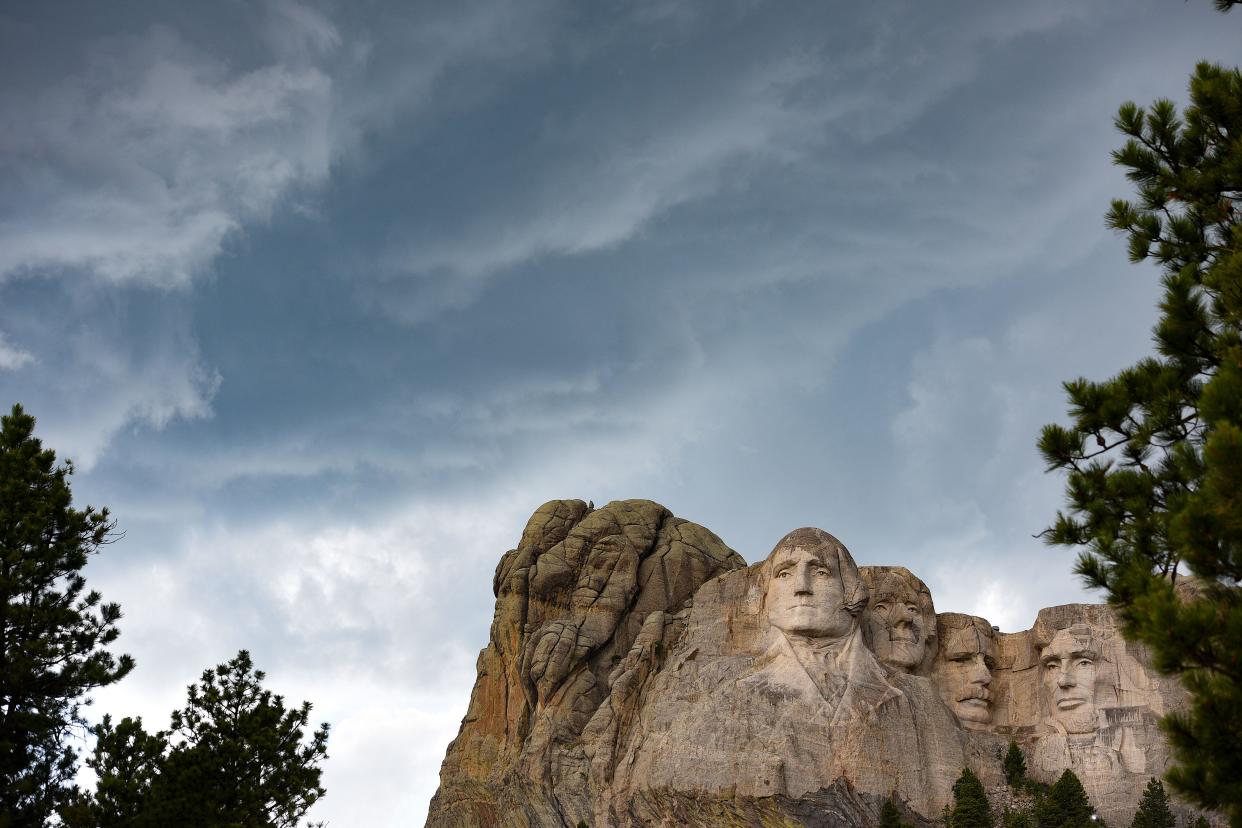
[1153,810]
[1065,805]
[53,634]
[970,803]
[1016,819]
[237,756]
[1014,765]
[1154,455]
[126,760]
[890,817]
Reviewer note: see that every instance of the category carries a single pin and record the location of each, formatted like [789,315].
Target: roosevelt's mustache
[974,692]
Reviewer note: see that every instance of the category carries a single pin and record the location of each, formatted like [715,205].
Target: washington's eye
[1085,662]
[784,573]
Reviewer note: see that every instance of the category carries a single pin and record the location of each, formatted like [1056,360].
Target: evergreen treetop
[54,634]
[1065,805]
[1153,810]
[1014,765]
[1153,456]
[234,756]
[890,817]
[970,803]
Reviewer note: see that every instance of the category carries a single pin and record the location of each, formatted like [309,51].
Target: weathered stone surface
[583,607]
[764,697]
[639,673]
[1077,695]
[899,622]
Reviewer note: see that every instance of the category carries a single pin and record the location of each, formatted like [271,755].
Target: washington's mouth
[974,701]
[1070,704]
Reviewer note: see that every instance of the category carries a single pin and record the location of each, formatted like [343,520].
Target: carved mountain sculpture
[639,673]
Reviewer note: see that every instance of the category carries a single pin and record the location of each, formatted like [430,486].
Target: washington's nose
[802,584]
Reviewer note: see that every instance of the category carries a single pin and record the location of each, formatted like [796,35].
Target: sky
[323,299]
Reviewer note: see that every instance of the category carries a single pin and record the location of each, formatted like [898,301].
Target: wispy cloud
[12,357]
[139,168]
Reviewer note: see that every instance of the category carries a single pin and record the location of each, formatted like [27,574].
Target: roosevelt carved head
[964,667]
[812,586]
[1068,664]
[900,620]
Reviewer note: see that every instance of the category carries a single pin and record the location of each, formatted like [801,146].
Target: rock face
[639,673]
[586,606]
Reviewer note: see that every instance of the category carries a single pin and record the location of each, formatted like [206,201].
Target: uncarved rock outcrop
[586,605]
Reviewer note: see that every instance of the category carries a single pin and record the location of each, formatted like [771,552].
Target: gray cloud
[326,299]
[140,167]
[12,357]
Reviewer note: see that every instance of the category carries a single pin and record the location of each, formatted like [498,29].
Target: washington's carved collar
[841,673]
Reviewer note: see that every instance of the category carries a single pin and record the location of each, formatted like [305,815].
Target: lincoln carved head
[813,588]
[964,667]
[1068,664]
[900,621]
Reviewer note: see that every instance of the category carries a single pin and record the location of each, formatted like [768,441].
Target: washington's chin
[810,621]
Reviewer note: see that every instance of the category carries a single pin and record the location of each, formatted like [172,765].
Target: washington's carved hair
[830,551]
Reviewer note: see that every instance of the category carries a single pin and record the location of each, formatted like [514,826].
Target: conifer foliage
[1065,805]
[1014,765]
[1153,456]
[890,817]
[970,803]
[54,634]
[1153,810]
[235,756]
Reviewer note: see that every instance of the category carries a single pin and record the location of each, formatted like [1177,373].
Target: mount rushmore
[638,672]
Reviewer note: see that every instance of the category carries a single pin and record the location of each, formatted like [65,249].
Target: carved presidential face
[968,659]
[1069,668]
[813,587]
[805,596]
[898,622]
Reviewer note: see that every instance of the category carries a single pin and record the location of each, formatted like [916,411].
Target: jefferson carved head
[1068,664]
[813,588]
[900,620]
[964,667]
